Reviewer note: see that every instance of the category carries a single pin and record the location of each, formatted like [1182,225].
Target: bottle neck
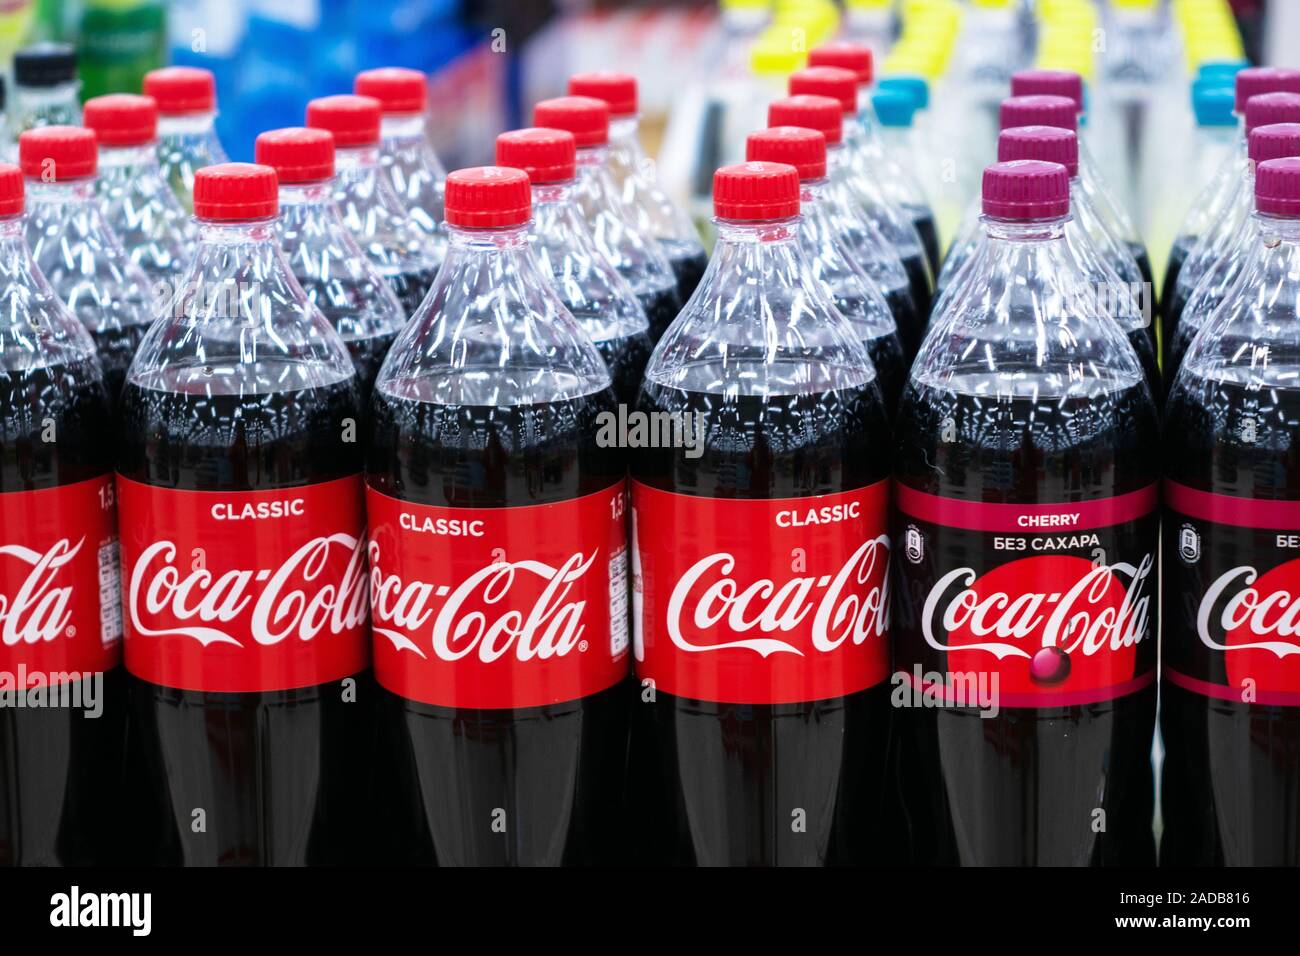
[185,124]
[122,159]
[307,197]
[624,133]
[1276,231]
[1007,233]
[402,129]
[44,97]
[745,244]
[70,192]
[352,161]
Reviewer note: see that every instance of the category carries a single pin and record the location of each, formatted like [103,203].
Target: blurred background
[706,69]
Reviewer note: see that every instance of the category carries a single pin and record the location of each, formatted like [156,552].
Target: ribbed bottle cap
[586,117]
[122,119]
[914,86]
[830,81]
[11,190]
[181,89]
[1273,142]
[1049,83]
[488,197]
[797,146]
[1269,108]
[354,120]
[1050,144]
[1277,186]
[1056,111]
[1264,79]
[893,107]
[847,56]
[1212,103]
[1026,189]
[298,154]
[398,89]
[546,155]
[235,192]
[45,64]
[750,192]
[58,153]
[811,112]
[618,90]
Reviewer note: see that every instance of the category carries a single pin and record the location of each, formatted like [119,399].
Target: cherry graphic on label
[1051,665]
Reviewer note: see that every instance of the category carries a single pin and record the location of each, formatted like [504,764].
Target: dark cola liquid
[918,284]
[688,270]
[909,320]
[116,348]
[1182,248]
[1022,788]
[626,358]
[279,774]
[923,222]
[661,307]
[1144,346]
[411,288]
[712,784]
[1232,769]
[60,772]
[556,770]
[367,353]
[1143,260]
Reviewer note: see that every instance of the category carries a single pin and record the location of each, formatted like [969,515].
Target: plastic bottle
[187,133]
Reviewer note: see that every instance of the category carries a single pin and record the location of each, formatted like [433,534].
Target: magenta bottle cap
[1049,83]
[1269,108]
[1264,79]
[1056,111]
[1026,189]
[1047,143]
[1274,142]
[1277,186]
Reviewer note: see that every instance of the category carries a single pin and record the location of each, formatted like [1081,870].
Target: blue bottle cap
[914,86]
[894,107]
[1212,102]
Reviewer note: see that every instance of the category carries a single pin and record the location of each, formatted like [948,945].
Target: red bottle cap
[58,153]
[11,190]
[750,192]
[354,120]
[847,56]
[616,89]
[546,155]
[1026,189]
[838,84]
[1269,108]
[1051,144]
[586,117]
[1273,142]
[797,146]
[1056,111]
[1256,80]
[811,112]
[1049,83]
[122,119]
[298,154]
[181,89]
[1277,186]
[487,197]
[398,90]
[233,192]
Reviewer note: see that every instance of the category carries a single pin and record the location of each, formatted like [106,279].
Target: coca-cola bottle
[139,205]
[633,252]
[413,168]
[590,288]
[654,213]
[1025,539]
[78,251]
[324,258]
[867,247]
[399,250]
[825,256]
[187,132]
[1221,270]
[760,569]
[1230,700]
[908,228]
[62,723]
[498,558]
[243,556]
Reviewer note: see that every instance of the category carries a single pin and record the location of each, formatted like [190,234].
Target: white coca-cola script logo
[707,595]
[542,628]
[37,610]
[1276,614]
[1082,617]
[285,607]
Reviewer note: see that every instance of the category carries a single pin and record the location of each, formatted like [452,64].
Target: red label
[762,601]
[1055,601]
[59,610]
[244,591]
[499,607]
